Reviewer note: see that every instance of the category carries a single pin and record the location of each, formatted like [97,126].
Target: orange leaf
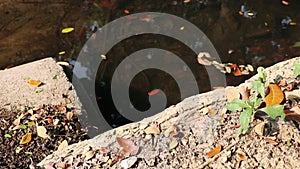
[214,151]
[26,138]
[237,72]
[152,130]
[128,145]
[275,95]
[35,83]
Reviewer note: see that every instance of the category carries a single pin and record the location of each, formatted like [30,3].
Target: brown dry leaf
[69,115]
[61,165]
[214,151]
[275,95]
[237,72]
[41,131]
[26,138]
[259,128]
[292,115]
[128,145]
[89,155]
[35,83]
[242,155]
[63,145]
[153,129]
[282,83]
[271,140]
[232,93]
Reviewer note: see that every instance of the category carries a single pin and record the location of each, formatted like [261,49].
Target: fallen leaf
[203,58]
[63,145]
[26,138]
[296,109]
[259,128]
[282,83]
[41,131]
[128,162]
[89,155]
[184,141]
[271,140]
[61,165]
[67,30]
[237,72]
[69,115]
[153,92]
[173,144]
[7,136]
[292,115]
[128,145]
[153,129]
[242,155]
[35,83]
[126,11]
[232,93]
[214,151]
[275,95]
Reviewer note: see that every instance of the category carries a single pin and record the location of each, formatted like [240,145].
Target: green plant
[296,68]
[249,107]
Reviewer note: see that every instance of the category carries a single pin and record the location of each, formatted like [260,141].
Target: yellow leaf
[275,95]
[152,130]
[36,83]
[214,151]
[62,52]
[26,138]
[63,145]
[67,30]
[41,131]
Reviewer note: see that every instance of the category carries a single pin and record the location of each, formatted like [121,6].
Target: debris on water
[285,22]
[247,13]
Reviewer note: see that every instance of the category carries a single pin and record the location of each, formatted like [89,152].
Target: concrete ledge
[16,93]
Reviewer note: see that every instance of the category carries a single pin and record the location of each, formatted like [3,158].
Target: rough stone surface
[15,92]
[204,131]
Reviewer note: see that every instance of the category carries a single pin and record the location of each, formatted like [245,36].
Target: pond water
[259,33]
[259,40]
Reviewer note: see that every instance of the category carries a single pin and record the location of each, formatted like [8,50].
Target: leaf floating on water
[128,145]
[275,95]
[41,131]
[203,58]
[153,92]
[67,30]
[26,138]
[35,83]
[63,145]
[214,151]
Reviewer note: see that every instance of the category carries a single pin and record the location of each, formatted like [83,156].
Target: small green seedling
[249,107]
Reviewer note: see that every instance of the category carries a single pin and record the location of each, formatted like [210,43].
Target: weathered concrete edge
[16,93]
[169,115]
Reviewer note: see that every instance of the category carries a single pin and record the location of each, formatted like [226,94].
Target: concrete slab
[15,92]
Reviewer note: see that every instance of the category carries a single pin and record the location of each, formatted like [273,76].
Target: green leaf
[261,74]
[54,77]
[245,118]
[236,104]
[259,87]
[297,44]
[296,68]
[274,111]
[257,102]
[39,91]
[7,136]
[23,126]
